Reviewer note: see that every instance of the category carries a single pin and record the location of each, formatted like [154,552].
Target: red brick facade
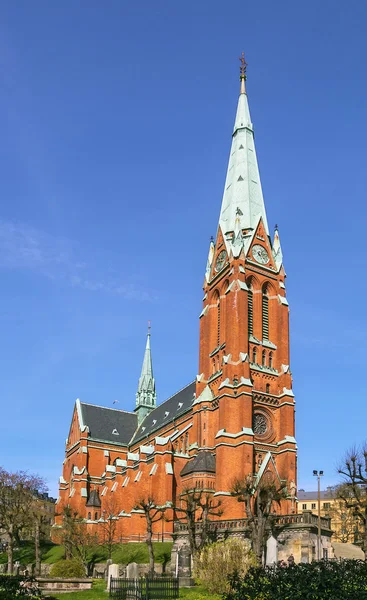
[241,409]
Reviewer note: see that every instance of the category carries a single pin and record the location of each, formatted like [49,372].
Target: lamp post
[318,474]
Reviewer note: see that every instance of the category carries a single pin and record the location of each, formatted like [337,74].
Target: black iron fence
[144,588]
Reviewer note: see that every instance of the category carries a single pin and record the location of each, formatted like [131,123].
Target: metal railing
[144,588]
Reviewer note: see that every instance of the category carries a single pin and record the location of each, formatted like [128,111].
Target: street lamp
[318,474]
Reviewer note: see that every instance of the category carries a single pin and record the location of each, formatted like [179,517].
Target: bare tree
[17,492]
[353,489]
[152,513]
[196,508]
[77,540]
[259,501]
[109,522]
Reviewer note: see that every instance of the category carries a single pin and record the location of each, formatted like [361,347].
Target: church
[237,415]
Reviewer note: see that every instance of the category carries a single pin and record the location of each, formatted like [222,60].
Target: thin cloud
[25,248]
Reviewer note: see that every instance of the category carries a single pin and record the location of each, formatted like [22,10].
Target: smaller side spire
[146,396]
[277,249]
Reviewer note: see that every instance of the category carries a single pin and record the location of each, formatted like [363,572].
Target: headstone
[113,571]
[108,564]
[184,566]
[271,551]
[132,571]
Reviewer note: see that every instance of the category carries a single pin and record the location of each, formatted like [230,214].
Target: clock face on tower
[260,254]
[221,259]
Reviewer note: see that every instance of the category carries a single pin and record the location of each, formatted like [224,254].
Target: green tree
[195,509]
[353,488]
[259,500]
[79,543]
[152,514]
[17,494]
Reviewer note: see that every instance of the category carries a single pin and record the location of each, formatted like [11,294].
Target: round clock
[221,259]
[260,254]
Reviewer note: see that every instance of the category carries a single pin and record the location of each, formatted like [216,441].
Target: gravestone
[271,551]
[113,571]
[184,566]
[132,571]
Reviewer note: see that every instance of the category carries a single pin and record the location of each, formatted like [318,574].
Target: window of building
[250,316]
[89,516]
[254,352]
[326,505]
[267,388]
[270,359]
[218,323]
[263,358]
[304,506]
[265,314]
[96,516]
[313,506]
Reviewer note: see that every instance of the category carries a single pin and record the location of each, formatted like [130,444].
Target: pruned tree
[77,540]
[17,494]
[195,509]
[40,524]
[259,500]
[109,523]
[152,514]
[353,489]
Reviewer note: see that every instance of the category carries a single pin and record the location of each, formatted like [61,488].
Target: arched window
[265,314]
[96,516]
[250,312]
[267,388]
[270,359]
[115,461]
[218,321]
[254,352]
[89,516]
[263,358]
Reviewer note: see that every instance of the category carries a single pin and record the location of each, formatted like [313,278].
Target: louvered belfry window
[218,322]
[265,315]
[250,314]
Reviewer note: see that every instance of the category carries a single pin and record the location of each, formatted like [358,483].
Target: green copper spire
[146,397]
[243,202]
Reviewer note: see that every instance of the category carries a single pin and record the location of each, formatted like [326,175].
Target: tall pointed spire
[146,396]
[243,202]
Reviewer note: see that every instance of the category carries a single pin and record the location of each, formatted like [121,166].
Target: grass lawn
[98,593]
[122,553]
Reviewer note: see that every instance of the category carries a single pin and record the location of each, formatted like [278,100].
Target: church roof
[109,424]
[166,412]
[243,202]
[203,462]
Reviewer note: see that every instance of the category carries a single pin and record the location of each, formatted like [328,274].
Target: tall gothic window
[267,388]
[265,314]
[263,358]
[270,359]
[250,312]
[218,321]
[254,352]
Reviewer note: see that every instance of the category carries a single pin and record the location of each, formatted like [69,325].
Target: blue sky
[116,122]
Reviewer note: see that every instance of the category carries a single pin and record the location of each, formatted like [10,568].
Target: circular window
[260,424]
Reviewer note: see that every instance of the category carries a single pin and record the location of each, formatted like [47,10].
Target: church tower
[244,408]
[146,396]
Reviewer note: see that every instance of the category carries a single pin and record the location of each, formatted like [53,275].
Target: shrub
[15,587]
[344,580]
[217,562]
[67,568]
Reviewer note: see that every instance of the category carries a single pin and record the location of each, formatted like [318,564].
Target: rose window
[260,424]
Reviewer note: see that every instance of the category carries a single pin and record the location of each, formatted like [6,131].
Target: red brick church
[237,415]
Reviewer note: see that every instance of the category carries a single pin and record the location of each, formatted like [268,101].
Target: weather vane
[243,66]
[149,327]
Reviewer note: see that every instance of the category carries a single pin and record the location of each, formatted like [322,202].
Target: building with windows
[236,417]
[344,524]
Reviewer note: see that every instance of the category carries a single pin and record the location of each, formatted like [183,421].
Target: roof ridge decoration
[243,203]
